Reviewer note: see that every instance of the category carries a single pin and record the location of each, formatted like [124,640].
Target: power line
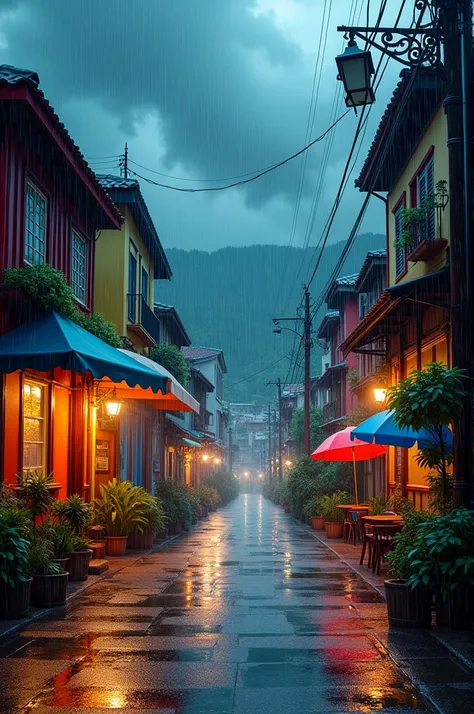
[264,369]
[253,178]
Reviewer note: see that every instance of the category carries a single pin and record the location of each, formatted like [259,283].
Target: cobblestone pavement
[248,614]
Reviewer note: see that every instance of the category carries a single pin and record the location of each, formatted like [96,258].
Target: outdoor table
[380,520]
[346,508]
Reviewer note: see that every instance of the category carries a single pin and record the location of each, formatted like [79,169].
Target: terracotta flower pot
[140,541]
[49,590]
[79,564]
[174,528]
[406,606]
[317,523]
[116,545]
[333,529]
[14,602]
[98,550]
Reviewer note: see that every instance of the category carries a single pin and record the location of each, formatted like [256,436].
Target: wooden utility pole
[307,371]
[280,465]
[125,161]
[270,468]
[456,27]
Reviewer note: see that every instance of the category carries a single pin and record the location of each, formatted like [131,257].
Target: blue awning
[381,428]
[190,442]
[49,340]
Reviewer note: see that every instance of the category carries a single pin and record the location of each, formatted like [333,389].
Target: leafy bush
[58,535]
[224,483]
[14,551]
[192,495]
[329,506]
[75,512]
[309,479]
[312,507]
[378,504]
[399,557]
[79,543]
[18,517]
[208,496]
[175,502]
[48,287]
[120,508]
[316,432]
[172,359]
[443,553]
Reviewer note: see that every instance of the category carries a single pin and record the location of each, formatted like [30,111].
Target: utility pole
[456,27]
[125,161]
[306,338]
[307,370]
[231,465]
[270,470]
[274,438]
[280,465]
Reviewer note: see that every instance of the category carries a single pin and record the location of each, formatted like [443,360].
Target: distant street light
[288,463]
[205,457]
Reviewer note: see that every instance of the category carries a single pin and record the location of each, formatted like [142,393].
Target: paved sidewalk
[248,614]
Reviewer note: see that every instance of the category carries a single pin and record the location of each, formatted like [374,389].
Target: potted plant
[407,606]
[378,504]
[49,585]
[15,583]
[443,559]
[119,509]
[60,538]
[333,516]
[195,502]
[79,558]
[74,511]
[154,515]
[176,505]
[312,510]
[35,490]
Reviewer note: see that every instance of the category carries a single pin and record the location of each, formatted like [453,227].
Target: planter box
[79,565]
[333,529]
[408,607]
[49,590]
[455,611]
[116,545]
[162,535]
[14,602]
[317,523]
[140,541]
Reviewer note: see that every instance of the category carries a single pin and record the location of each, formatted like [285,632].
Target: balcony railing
[142,320]
[427,239]
[331,411]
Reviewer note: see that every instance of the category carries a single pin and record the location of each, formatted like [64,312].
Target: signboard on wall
[102,455]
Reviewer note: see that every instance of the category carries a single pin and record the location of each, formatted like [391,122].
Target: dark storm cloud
[202,64]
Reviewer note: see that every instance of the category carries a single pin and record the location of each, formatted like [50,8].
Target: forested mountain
[227,298]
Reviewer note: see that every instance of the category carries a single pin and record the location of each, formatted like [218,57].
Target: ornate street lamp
[355,69]
[113,404]
[380,395]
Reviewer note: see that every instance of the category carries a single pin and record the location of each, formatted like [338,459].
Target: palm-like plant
[34,491]
[120,508]
[75,512]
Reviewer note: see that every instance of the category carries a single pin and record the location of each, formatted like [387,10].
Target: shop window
[34,427]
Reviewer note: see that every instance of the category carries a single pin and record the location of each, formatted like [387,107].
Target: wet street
[248,613]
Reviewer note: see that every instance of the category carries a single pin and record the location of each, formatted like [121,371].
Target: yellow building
[126,264]
[407,160]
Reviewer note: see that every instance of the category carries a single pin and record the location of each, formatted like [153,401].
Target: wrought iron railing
[331,411]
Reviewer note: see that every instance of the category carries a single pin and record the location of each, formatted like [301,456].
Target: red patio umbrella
[339,447]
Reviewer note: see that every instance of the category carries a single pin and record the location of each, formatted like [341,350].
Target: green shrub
[175,502]
[40,559]
[172,359]
[399,557]
[74,511]
[34,491]
[58,535]
[14,553]
[120,508]
[194,501]
[329,504]
[309,479]
[224,483]
[208,496]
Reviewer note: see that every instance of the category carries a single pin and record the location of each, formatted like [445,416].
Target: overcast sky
[201,89]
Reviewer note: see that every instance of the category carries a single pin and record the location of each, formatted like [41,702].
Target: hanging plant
[48,287]
[415,219]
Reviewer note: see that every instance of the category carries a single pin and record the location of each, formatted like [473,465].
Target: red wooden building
[51,207]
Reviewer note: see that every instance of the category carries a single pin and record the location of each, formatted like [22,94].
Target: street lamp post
[450,27]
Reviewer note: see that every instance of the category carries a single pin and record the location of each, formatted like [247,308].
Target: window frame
[399,206]
[77,234]
[31,185]
[44,419]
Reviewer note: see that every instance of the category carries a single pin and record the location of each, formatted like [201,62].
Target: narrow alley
[248,613]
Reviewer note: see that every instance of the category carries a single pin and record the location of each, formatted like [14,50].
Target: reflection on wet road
[248,613]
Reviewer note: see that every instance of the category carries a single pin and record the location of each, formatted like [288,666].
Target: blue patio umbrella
[382,429]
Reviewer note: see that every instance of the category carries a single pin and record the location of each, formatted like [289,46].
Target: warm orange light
[288,463]
[217,461]
[260,475]
[380,395]
[205,457]
[113,404]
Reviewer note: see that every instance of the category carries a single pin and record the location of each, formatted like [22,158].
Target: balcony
[142,321]
[427,242]
[331,411]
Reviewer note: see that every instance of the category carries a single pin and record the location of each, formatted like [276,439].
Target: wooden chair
[355,525]
[383,542]
[367,536]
